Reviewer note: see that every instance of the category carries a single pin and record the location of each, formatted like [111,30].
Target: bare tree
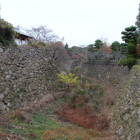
[42,33]
[58,55]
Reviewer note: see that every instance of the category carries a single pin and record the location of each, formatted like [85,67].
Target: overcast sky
[80,22]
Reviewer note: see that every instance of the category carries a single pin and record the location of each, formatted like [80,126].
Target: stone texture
[126,110]
[1,50]
[24,75]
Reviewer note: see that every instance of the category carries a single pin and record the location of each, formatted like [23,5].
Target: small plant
[69,79]
[80,91]
[73,99]
[81,104]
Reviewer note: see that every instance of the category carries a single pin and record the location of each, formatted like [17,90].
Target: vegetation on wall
[6,33]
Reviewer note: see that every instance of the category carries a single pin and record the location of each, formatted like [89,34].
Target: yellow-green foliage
[70,78]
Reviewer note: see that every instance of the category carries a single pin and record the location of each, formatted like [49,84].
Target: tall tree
[115,46]
[138,26]
[66,46]
[129,34]
[130,38]
[123,48]
[98,44]
[91,47]
[131,48]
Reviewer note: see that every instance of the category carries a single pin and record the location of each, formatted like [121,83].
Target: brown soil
[84,116]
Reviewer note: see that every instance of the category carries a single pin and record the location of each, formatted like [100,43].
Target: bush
[128,61]
[6,33]
[69,79]
[38,44]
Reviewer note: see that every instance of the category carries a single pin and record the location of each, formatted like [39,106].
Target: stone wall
[26,73]
[113,74]
[126,111]
[126,120]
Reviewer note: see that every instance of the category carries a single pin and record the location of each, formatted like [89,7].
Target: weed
[80,91]
[73,99]
[101,92]
[73,106]
[41,122]
[67,133]
[81,104]
[86,100]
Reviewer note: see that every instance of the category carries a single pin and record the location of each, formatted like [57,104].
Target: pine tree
[115,46]
[98,44]
[66,46]
[138,26]
[130,38]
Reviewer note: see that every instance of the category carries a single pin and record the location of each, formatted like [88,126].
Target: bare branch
[42,33]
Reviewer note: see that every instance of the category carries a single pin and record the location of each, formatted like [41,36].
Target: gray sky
[80,22]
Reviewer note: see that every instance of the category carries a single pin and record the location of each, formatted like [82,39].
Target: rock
[9,104]
[8,76]
[2,106]
[1,50]
[10,72]
[122,137]
[1,96]
[119,131]
[129,137]
[126,117]
[137,133]
[138,110]
[6,91]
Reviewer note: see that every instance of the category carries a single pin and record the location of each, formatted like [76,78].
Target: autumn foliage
[105,48]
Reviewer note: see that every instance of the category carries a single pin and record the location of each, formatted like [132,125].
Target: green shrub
[6,33]
[128,62]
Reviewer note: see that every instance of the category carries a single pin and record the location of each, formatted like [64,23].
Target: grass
[42,127]
[69,133]
[41,121]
